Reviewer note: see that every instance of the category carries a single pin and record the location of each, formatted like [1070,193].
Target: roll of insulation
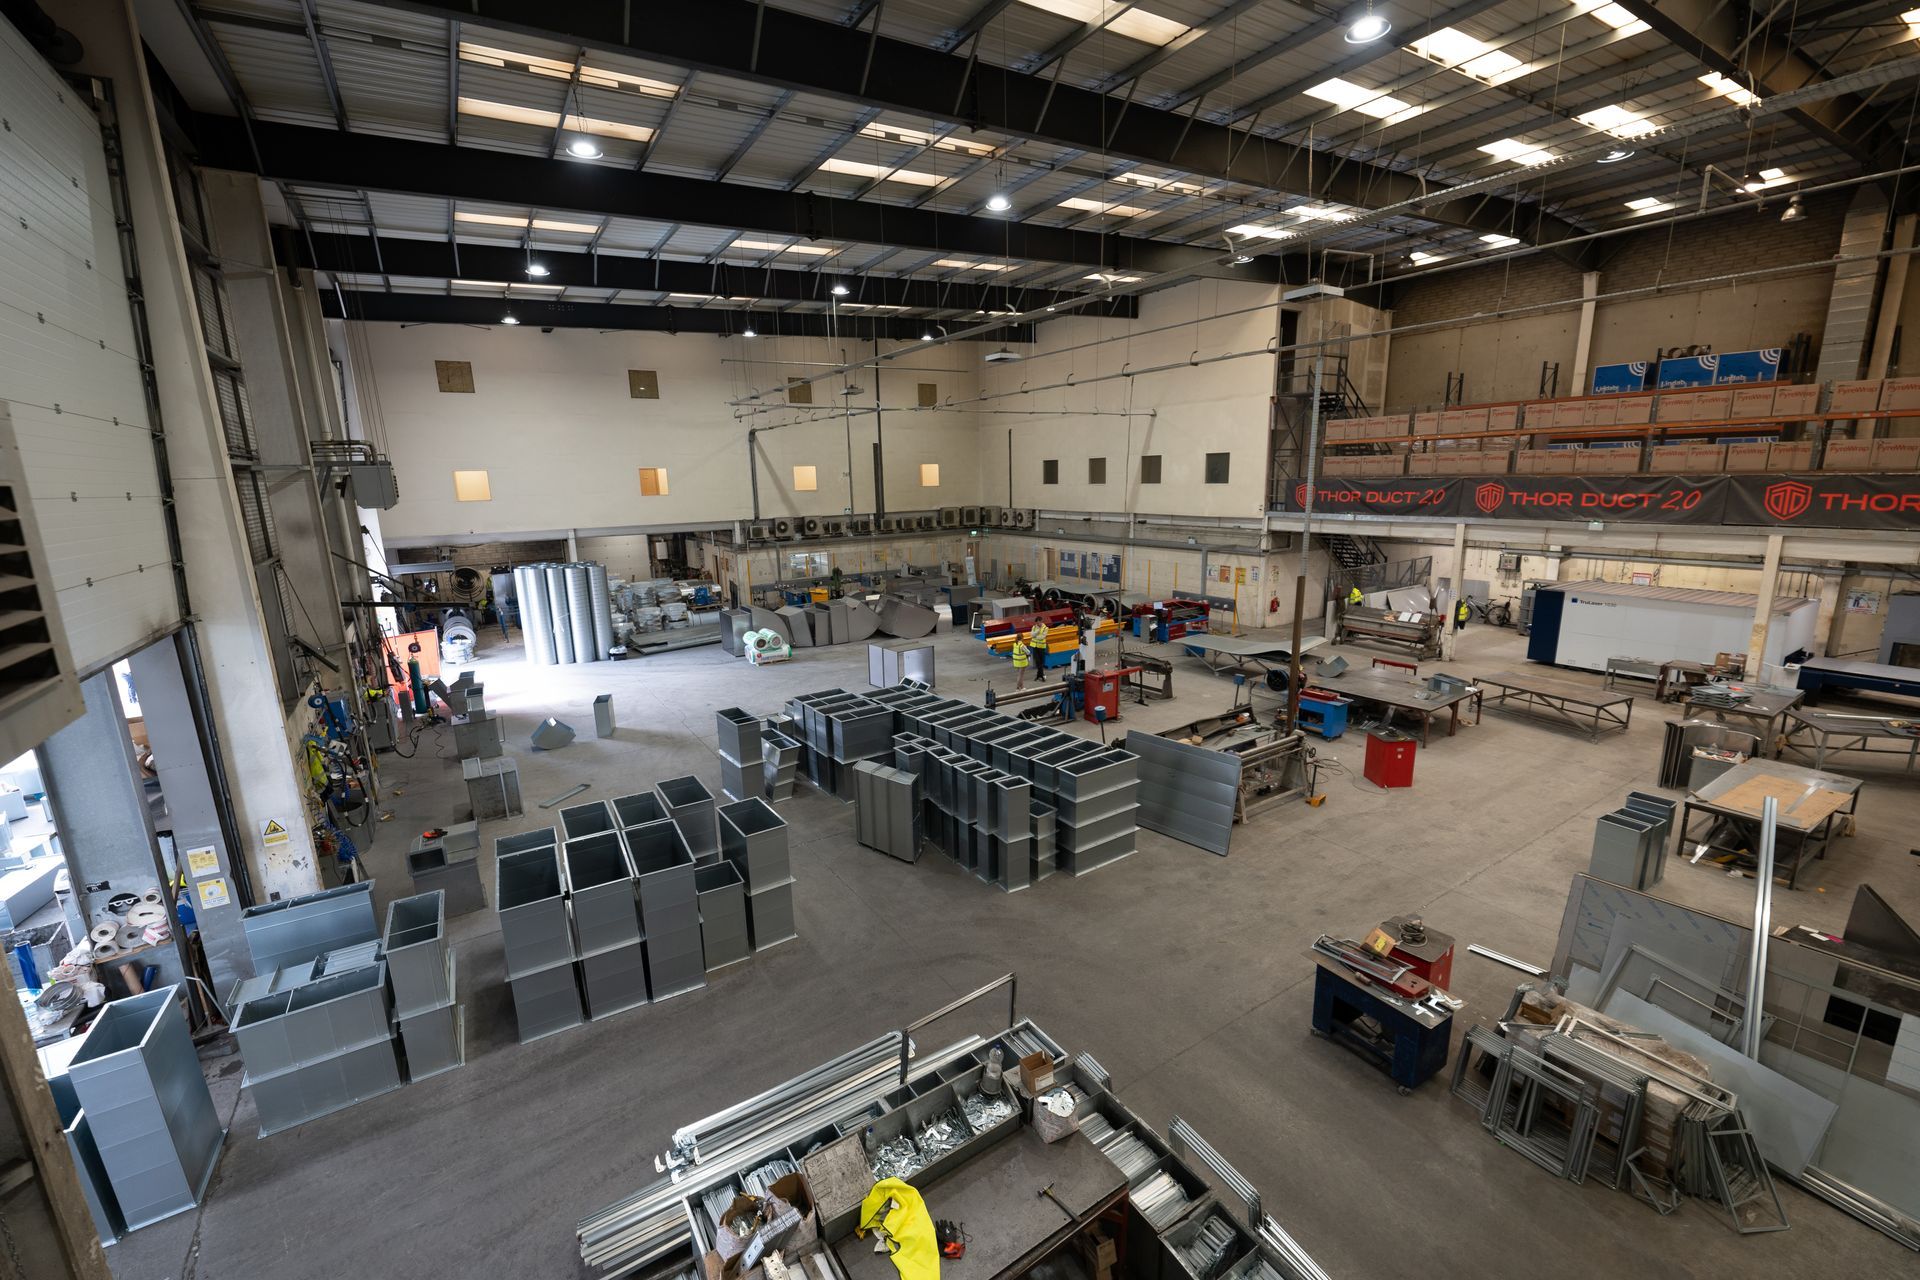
[558,618]
[145,914]
[106,951]
[108,932]
[152,898]
[602,597]
[130,936]
[580,613]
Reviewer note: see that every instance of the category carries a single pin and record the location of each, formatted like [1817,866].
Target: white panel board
[1597,627]
[68,369]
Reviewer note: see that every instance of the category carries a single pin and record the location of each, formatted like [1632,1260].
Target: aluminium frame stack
[530,898]
[755,840]
[421,972]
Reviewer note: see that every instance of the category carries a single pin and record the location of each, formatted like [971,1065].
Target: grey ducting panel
[614,980]
[536,614]
[770,916]
[138,1079]
[591,818]
[580,613]
[545,1001]
[530,899]
[551,735]
[734,625]
[434,1041]
[479,736]
[321,1088]
[793,621]
[770,620]
[493,788]
[433,869]
[723,915]
[906,620]
[665,875]
[102,1206]
[637,809]
[603,716]
[739,734]
[559,618]
[754,839]
[600,888]
[689,806]
[1187,793]
[295,930]
[522,841]
[862,621]
[417,955]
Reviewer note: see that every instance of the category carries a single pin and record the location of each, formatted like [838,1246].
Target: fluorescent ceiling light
[1767,178]
[1514,151]
[538,224]
[1499,241]
[1912,18]
[1101,206]
[709,297]
[1318,212]
[1365,26]
[556,69]
[1648,204]
[1618,121]
[1264,233]
[538,288]
[882,172]
[1728,89]
[1112,279]
[551,119]
[768,246]
[1160,184]
[1421,257]
[1368,102]
[1616,155]
[961,265]
[1135,23]
[478,284]
[883,132]
[1614,16]
[1463,53]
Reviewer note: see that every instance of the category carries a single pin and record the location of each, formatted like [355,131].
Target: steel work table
[1817,675]
[1401,696]
[1812,804]
[1225,653]
[997,1195]
[1551,700]
[1420,1039]
[1817,734]
[1766,709]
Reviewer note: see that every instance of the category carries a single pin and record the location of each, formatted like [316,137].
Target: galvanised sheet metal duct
[580,612]
[602,610]
[559,618]
[536,619]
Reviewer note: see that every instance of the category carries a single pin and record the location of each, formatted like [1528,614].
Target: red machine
[1426,949]
[1100,691]
[1169,619]
[1389,758]
[1023,622]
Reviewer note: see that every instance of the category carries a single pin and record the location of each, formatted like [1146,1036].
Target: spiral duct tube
[580,612]
[536,623]
[602,600]
[558,613]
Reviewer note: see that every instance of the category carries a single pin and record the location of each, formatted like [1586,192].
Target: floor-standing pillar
[1458,565]
[1583,342]
[100,811]
[201,850]
[1763,608]
[240,669]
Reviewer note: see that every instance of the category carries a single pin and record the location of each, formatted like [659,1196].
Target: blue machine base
[1415,1052]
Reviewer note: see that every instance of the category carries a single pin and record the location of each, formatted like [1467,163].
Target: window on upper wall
[1217,464]
[472,486]
[1096,470]
[799,391]
[454,375]
[653,482]
[643,384]
[1149,468]
[805,479]
[929,475]
[1050,471]
[929,395]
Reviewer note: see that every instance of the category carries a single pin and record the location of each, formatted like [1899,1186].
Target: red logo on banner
[1490,495]
[1787,500]
[1300,495]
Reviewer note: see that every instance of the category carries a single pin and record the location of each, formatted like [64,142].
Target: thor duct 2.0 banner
[1830,501]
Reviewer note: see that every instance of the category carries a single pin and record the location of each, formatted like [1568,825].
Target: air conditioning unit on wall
[833,528]
[759,532]
[860,525]
[989,517]
[810,526]
[949,517]
[783,529]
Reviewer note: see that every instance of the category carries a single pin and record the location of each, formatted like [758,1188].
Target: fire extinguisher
[1273,604]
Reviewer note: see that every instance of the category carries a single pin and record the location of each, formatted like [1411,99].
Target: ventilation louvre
[38,691]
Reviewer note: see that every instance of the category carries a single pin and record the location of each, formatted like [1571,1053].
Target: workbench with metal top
[1813,808]
[1401,697]
[1592,710]
[1765,708]
[1816,733]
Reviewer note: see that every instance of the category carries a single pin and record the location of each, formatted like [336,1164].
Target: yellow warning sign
[203,862]
[212,893]
[272,833]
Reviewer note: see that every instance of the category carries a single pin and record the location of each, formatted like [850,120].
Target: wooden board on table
[1799,807]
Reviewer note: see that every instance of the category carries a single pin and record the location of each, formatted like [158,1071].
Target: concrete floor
[1181,971]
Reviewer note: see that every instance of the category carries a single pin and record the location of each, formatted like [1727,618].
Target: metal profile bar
[1007,980]
[1754,1029]
[1181,1134]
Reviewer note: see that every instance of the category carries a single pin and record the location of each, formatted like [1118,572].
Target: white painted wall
[551,421]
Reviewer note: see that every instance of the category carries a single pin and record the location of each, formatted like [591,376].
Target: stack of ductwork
[566,612]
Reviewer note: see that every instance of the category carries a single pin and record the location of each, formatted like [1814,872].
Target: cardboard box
[1608,462]
[1423,464]
[1747,456]
[794,1190]
[1632,410]
[1855,397]
[1600,412]
[1426,424]
[1526,462]
[1391,464]
[1671,459]
[1036,1073]
[1098,1253]
[1559,462]
[1900,394]
[1713,406]
[1790,455]
[1503,417]
[1796,401]
[1847,455]
[1898,454]
[1464,420]
[1704,458]
[1675,406]
[1752,402]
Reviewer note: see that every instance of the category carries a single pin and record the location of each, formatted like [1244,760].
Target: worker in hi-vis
[1037,641]
[1461,612]
[1022,659]
[1353,597]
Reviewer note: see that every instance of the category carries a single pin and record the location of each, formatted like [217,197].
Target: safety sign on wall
[212,893]
[202,862]
[273,833]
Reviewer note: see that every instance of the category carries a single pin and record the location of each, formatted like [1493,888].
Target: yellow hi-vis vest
[1038,636]
[1353,596]
[896,1209]
[1022,656]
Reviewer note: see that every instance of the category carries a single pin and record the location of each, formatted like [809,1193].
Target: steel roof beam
[362,161]
[740,39]
[1716,35]
[435,308]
